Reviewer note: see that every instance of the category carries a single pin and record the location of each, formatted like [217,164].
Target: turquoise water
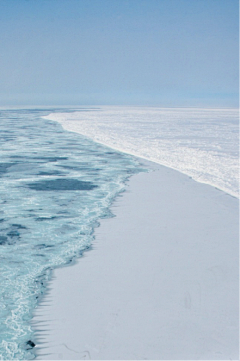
[55,186]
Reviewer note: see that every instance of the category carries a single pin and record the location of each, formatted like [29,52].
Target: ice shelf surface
[202,143]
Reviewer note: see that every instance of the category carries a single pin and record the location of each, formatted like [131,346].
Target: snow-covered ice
[202,143]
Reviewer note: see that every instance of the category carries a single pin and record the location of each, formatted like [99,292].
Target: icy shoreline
[161,281]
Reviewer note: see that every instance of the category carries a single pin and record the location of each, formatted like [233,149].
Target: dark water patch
[7,134]
[5,166]
[19,226]
[17,157]
[40,219]
[7,138]
[41,159]
[55,172]
[23,167]
[111,155]
[79,168]
[43,245]
[3,240]
[2,220]
[70,146]
[50,159]
[13,234]
[62,185]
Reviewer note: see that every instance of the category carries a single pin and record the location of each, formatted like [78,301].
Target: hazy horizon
[167,53]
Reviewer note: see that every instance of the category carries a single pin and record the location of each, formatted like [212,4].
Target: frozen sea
[56,185]
[202,143]
[54,188]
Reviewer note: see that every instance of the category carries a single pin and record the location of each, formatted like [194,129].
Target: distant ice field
[54,188]
[202,143]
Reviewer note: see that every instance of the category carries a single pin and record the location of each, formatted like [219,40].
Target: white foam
[202,143]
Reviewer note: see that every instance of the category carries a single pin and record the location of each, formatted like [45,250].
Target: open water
[54,187]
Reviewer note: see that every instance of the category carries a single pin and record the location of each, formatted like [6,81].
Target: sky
[119,52]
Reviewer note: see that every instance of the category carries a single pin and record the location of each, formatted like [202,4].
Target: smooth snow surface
[160,283]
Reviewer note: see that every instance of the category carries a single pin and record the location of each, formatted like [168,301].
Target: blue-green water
[54,188]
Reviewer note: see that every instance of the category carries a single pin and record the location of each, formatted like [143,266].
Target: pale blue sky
[135,52]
